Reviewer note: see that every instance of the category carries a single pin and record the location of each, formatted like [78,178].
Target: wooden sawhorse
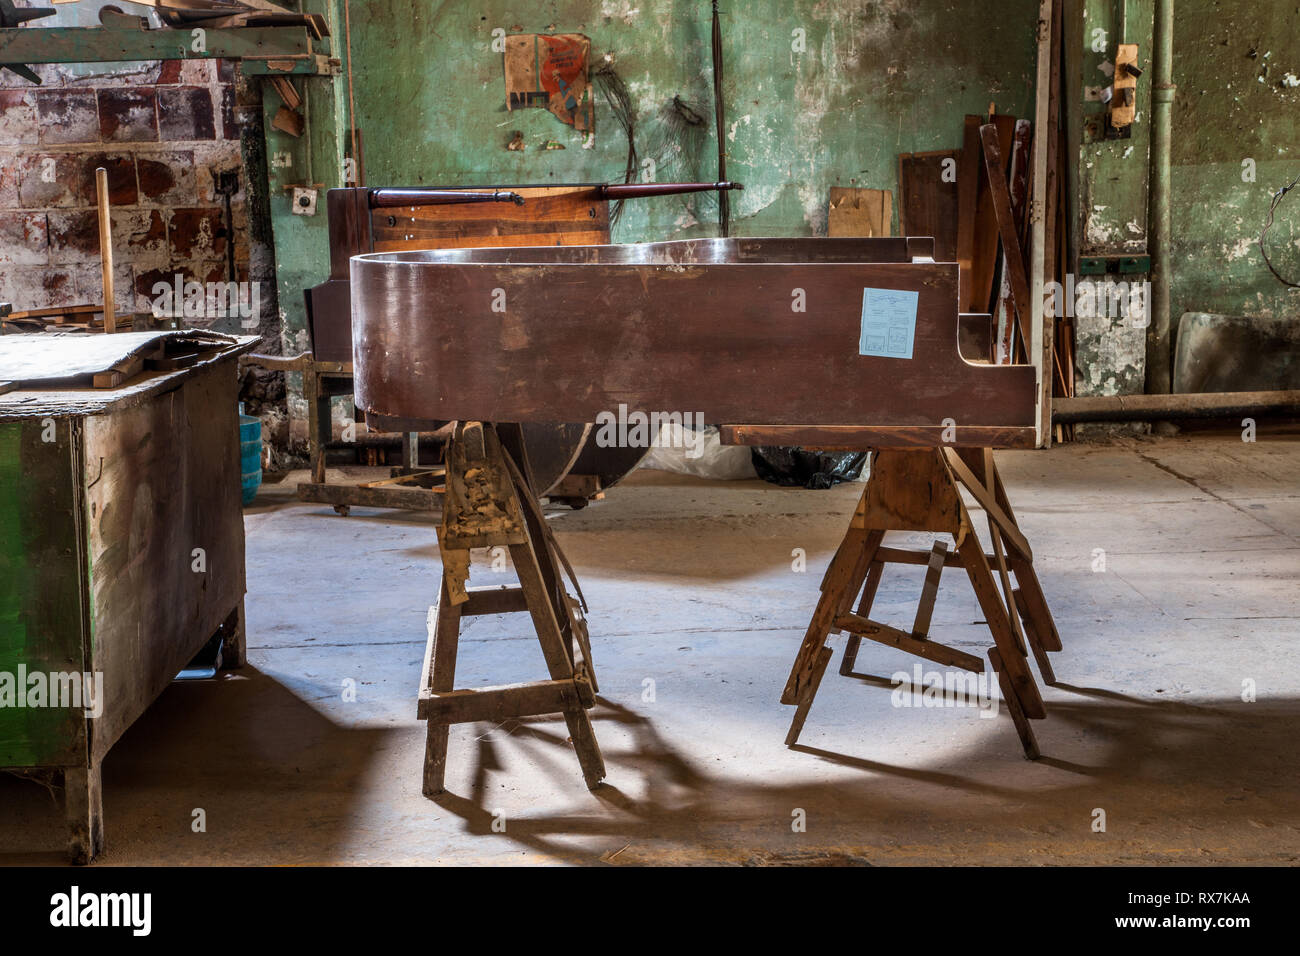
[918,490]
[490,501]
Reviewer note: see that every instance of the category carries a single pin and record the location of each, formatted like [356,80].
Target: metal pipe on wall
[1139,408]
[1159,351]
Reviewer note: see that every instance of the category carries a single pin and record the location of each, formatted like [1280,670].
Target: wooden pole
[105,247]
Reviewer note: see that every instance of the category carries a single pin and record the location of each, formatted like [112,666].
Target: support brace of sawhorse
[918,490]
[490,501]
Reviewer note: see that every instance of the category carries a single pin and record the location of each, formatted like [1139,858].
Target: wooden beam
[1013,259]
[861,438]
[930,650]
[1039,345]
[100,45]
[494,599]
[506,702]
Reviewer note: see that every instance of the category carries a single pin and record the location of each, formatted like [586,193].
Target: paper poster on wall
[888,323]
[551,71]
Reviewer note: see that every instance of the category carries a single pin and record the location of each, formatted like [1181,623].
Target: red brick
[46,180]
[67,116]
[138,234]
[88,279]
[10,176]
[128,115]
[198,233]
[74,235]
[185,113]
[194,271]
[121,178]
[170,74]
[168,178]
[19,122]
[23,238]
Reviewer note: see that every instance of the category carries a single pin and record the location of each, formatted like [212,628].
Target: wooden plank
[818,670]
[506,702]
[410,499]
[874,573]
[995,614]
[930,590]
[985,261]
[1008,350]
[844,576]
[1018,716]
[1013,258]
[555,215]
[1035,643]
[860,212]
[55,311]
[1050,50]
[921,647]
[438,676]
[160,590]
[969,173]
[912,491]
[990,505]
[861,438]
[494,599]
[929,202]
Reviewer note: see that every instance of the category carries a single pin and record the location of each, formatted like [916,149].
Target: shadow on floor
[1169,768]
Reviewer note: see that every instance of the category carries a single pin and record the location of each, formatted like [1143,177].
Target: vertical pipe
[724,203]
[105,247]
[1159,331]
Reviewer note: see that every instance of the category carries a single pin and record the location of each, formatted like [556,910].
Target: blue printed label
[888,323]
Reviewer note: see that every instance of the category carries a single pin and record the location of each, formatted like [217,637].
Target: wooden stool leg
[558,662]
[874,573]
[805,705]
[1034,603]
[84,808]
[844,577]
[1023,728]
[1017,670]
[446,638]
[1035,642]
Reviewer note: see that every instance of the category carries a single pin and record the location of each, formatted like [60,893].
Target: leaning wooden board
[105,495]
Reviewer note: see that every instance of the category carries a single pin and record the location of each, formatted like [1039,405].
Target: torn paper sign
[551,71]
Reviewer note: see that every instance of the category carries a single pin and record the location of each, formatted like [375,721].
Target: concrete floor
[690,586]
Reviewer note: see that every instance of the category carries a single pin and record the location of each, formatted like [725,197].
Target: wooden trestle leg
[918,490]
[490,502]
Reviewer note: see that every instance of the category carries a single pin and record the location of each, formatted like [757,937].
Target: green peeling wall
[1237,66]
[1235,141]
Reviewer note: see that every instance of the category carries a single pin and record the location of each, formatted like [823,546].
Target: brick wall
[163,131]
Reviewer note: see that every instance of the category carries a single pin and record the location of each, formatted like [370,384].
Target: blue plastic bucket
[250,456]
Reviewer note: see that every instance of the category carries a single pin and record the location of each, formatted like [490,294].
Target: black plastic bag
[806,466]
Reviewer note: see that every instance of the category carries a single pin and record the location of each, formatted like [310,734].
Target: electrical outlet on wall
[304,201]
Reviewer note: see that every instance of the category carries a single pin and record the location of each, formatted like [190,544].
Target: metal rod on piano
[389,198]
[640,190]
